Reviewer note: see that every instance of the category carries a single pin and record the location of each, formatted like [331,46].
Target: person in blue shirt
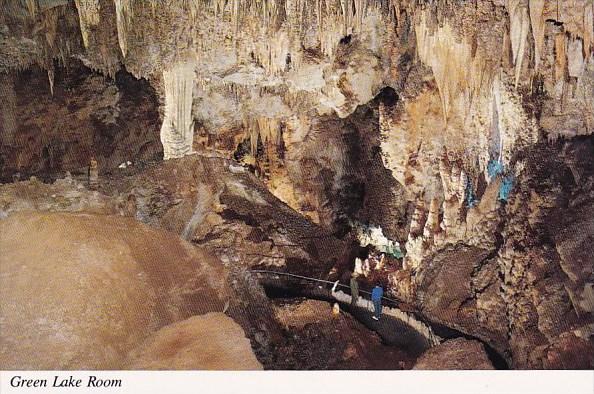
[376,297]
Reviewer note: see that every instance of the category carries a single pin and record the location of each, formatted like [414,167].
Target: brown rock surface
[455,289]
[318,339]
[79,291]
[456,353]
[212,341]
[85,116]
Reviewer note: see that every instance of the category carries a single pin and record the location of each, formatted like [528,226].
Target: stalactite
[519,27]
[264,129]
[360,9]
[588,28]
[50,77]
[31,7]
[575,59]
[272,54]
[537,20]
[235,17]
[177,131]
[219,7]
[88,13]
[347,16]
[457,72]
[123,15]
[560,57]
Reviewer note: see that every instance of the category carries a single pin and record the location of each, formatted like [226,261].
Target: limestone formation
[208,342]
[453,138]
[455,354]
[177,131]
[81,291]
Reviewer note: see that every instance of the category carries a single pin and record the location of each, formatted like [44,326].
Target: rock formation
[455,354]
[454,137]
[81,291]
[212,341]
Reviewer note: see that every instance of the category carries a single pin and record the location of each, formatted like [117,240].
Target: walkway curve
[395,326]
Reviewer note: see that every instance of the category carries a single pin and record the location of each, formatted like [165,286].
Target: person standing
[354,289]
[93,174]
[376,297]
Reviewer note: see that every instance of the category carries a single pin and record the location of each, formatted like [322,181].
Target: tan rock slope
[456,353]
[212,341]
[79,291]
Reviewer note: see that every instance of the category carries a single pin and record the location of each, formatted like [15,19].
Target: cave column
[177,131]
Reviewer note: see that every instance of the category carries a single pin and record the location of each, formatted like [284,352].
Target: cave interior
[211,176]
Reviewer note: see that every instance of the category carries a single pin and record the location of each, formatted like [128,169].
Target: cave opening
[346,39]
[361,195]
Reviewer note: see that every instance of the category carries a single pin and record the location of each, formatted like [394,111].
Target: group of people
[376,296]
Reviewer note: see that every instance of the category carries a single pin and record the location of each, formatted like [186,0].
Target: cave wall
[87,115]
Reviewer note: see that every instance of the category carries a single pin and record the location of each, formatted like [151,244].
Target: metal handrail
[432,336]
[318,280]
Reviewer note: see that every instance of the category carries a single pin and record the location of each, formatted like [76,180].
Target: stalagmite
[335,309]
[432,224]
[177,131]
[445,172]
[537,20]
[418,218]
[50,77]
[462,188]
[93,174]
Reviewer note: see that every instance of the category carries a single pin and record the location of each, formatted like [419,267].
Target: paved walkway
[395,326]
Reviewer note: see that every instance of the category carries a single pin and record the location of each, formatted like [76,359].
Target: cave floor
[318,339]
